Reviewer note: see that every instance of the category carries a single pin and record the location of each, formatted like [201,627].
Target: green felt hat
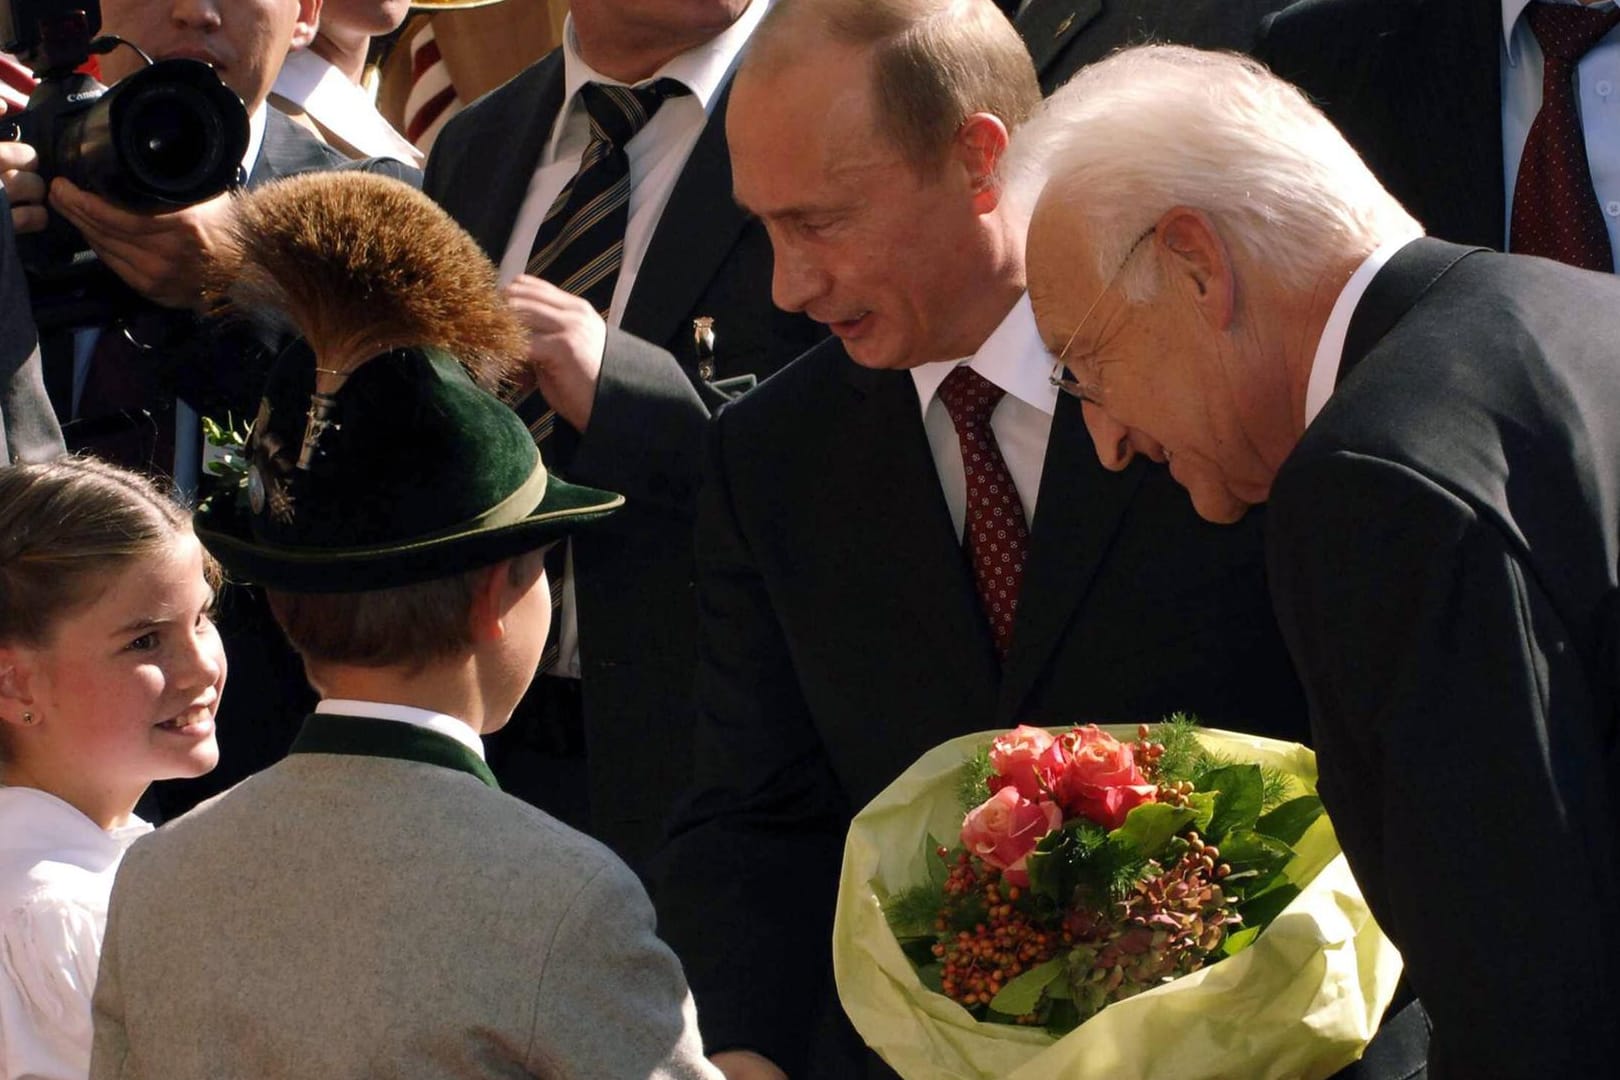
[377,458]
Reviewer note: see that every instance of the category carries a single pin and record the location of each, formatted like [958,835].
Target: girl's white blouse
[56,872]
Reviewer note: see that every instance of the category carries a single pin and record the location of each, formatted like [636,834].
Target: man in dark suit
[1065,35]
[1440,99]
[603,739]
[142,406]
[28,428]
[1433,427]
[845,628]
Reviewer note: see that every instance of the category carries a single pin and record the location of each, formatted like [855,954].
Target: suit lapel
[288,149]
[1080,508]
[1048,26]
[1451,110]
[907,546]
[698,228]
[487,203]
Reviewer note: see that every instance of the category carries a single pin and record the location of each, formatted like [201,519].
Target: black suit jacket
[842,637]
[1442,547]
[1415,85]
[1065,35]
[28,428]
[633,575]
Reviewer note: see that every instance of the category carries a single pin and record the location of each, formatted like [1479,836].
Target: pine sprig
[1185,758]
[911,913]
[972,785]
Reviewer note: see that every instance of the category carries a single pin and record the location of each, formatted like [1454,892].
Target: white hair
[1160,126]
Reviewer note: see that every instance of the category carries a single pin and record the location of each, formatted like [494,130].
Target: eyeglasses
[1062,378]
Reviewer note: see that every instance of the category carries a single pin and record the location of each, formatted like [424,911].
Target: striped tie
[580,247]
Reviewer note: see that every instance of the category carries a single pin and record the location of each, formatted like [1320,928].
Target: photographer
[167,352]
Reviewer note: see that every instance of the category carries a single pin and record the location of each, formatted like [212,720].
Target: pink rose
[1100,780]
[1005,828]
[1026,758]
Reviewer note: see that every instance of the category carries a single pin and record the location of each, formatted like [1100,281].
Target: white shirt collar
[458,730]
[1013,357]
[702,69]
[314,83]
[50,824]
[256,122]
[1330,347]
[1513,9]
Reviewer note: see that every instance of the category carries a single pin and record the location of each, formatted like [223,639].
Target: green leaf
[1255,861]
[1241,795]
[1203,804]
[932,976]
[1020,996]
[1063,1018]
[1236,943]
[1149,827]
[1290,820]
[1260,910]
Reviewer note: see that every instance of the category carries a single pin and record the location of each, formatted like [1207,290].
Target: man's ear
[976,149]
[309,20]
[1199,262]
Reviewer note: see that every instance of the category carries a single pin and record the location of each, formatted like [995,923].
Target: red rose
[1100,780]
[1005,828]
[1027,758]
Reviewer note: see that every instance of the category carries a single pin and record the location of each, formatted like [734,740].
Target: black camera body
[169,135]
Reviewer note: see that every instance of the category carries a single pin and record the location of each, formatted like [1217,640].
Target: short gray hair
[1160,126]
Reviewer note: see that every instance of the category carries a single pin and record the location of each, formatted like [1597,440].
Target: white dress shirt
[56,872]
[314,84]
[1330,346]
[657,154]
[1597,101]
[1013,358]
[458,730]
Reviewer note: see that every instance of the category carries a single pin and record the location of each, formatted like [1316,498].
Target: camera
[169,135]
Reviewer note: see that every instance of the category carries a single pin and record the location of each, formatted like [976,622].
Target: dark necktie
[995,535]
[579,248]
[1555,210]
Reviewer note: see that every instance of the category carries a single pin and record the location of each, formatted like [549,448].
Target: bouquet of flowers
[1163,901]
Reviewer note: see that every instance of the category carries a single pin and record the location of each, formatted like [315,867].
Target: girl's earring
[28,718]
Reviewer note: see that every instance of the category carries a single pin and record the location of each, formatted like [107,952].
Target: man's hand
[746,1065]
[25,188]
[164,256]
[566,340]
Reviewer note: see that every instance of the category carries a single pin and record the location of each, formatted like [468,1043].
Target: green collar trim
[324,733]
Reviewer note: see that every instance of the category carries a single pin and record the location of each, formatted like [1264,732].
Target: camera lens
[171,140]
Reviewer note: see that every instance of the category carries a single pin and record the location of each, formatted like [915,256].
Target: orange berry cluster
[977,963]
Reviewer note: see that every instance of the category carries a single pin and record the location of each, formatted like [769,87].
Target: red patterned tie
[996,537]
[1555,210]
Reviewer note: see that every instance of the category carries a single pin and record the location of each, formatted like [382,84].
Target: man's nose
[796,281]
[195,13]
[1111,438]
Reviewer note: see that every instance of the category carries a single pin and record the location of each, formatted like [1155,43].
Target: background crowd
[790,276]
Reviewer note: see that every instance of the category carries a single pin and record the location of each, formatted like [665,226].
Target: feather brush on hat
[362,264]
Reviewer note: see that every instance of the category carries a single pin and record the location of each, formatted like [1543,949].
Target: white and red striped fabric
[431,100]
[16,83]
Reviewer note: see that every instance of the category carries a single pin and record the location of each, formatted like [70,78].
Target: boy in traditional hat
[372,905]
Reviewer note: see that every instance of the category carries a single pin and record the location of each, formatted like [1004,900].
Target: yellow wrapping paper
[1302,1001]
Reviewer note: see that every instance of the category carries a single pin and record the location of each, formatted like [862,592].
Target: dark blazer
[842,637]
[633,575]
[1415,85]
[1065,35]
[28,428]
[1442,548]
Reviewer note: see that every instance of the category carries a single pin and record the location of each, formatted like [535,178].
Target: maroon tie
[1555,210]
[995,536]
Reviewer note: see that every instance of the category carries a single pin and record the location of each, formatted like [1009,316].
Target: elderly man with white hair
[1436,430]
